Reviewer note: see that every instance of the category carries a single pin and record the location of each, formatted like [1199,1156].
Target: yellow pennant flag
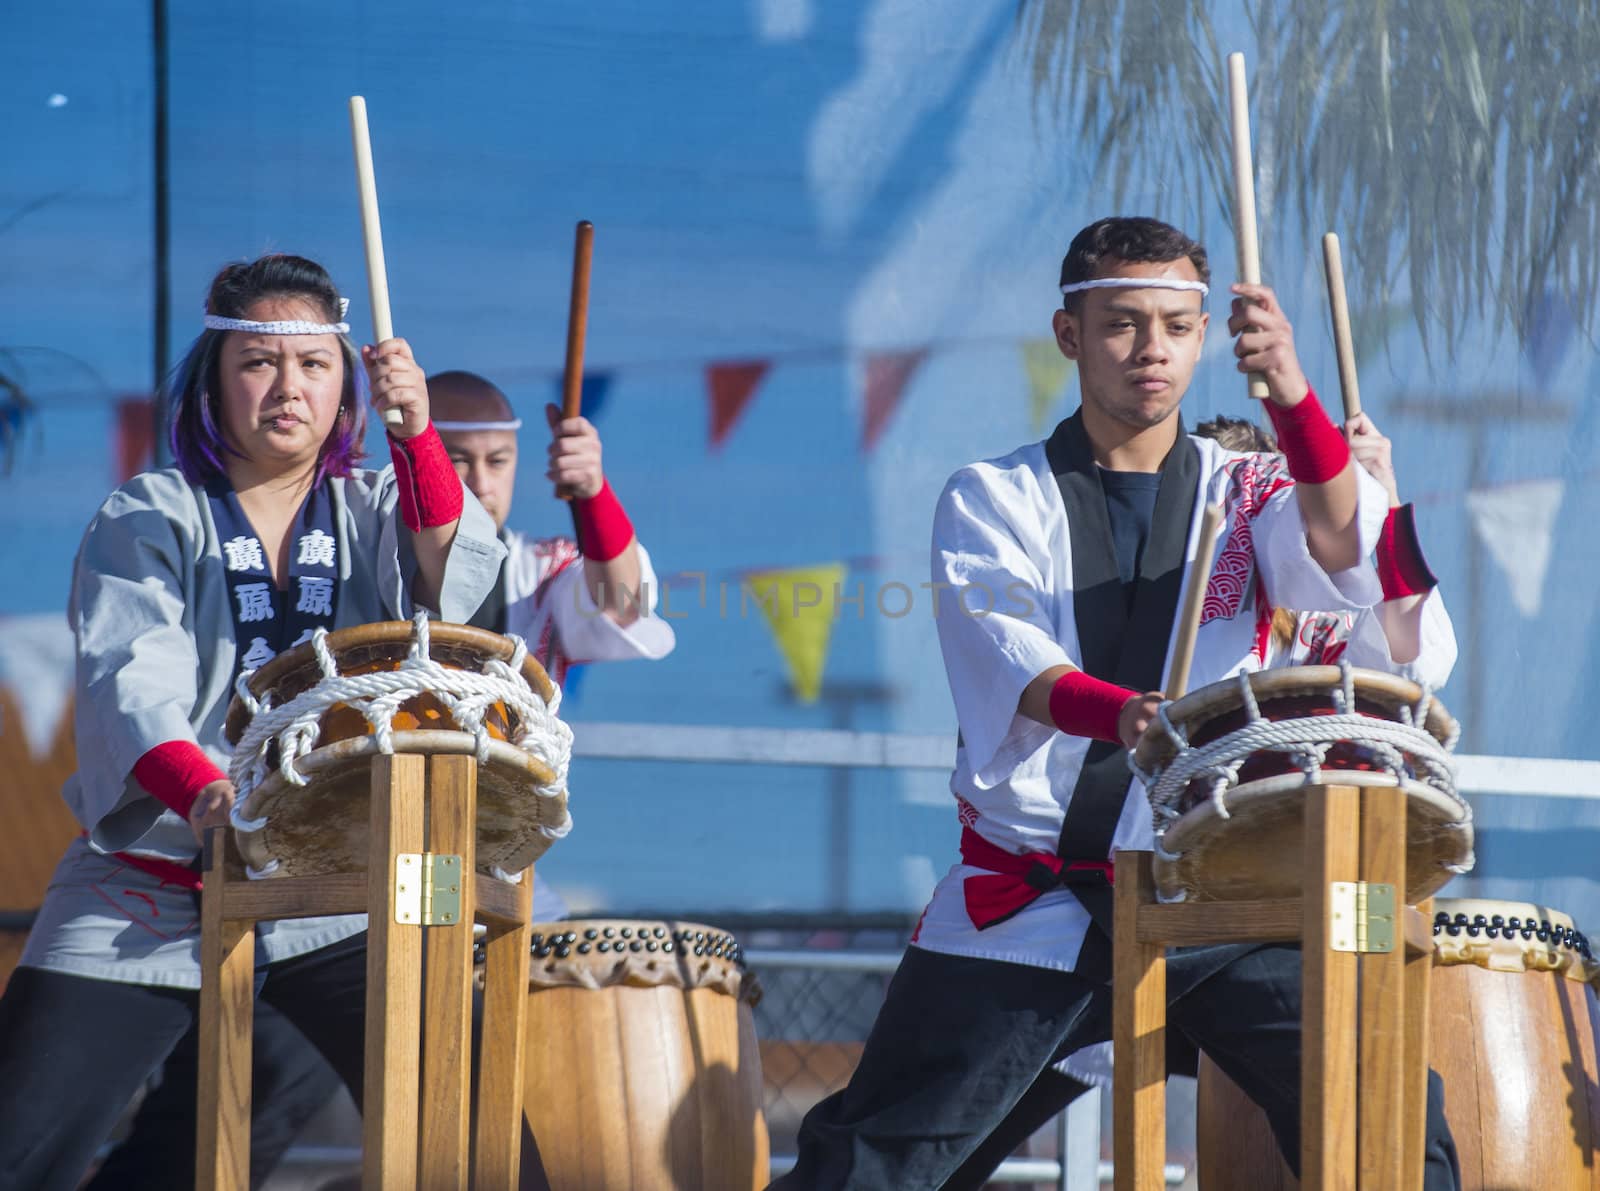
[798,604]
[1047,372]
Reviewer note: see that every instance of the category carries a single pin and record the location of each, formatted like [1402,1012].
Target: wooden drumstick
[372,235]
[1194,598]
[577,325]
[577,321]
[1244,191]
[1343,343]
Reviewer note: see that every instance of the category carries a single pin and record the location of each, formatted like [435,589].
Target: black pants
[290,1082]
[73,1051]
[959,1044]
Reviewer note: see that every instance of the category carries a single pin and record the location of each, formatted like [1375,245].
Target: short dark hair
[1136,239]
[1236,434]
[193,391]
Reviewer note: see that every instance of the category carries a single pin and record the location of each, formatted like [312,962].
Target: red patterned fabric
[555,556]
[1252,482]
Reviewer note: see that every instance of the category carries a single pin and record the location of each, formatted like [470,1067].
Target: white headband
[215,322]
[1199,287]
[467,427]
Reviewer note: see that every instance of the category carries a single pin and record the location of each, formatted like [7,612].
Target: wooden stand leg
[394,982]
[1380,1119]
[447,1061]
[1328,1008]
[1419,971]
[500,1059]
[227,1010]
[1139,1030]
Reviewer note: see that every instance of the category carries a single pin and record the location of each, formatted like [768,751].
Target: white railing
[1528,776]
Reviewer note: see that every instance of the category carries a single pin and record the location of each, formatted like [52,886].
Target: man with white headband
[1063,564]
[585,600]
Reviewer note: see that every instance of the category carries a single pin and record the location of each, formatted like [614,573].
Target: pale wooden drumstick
[1343,343]
[577,325]
[372,235]
[1193,600]
[1244,191]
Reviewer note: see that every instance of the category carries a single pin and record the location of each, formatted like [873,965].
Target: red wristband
[175,773]
[430,491]
[1402,570]
[1311,444]
[1082,705]
[604,530]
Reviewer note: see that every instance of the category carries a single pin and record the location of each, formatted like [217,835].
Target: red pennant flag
[730,387]
[136,436]
[888,373]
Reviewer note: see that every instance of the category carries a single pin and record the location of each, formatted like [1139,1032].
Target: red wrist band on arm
[1402,570]
[430,491]
[1311,444]
[604,530]
[1082,705]
[176,772]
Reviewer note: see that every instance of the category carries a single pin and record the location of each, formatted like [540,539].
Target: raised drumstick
[577,324]
[1343,343]
[1244,191]
[577,321]
[372,235]
[1193,600]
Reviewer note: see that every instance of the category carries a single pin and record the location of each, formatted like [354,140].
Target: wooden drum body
[1225,766]
[307,724]
[642,1067]
[1513,1022]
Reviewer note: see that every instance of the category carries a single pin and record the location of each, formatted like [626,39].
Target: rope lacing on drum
[1404,749]
[378,696]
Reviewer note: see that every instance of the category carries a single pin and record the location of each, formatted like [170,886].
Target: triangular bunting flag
[136,436]
[1516,523]
[798,604]
[572,685]
[887,375]
[730,387]
[1047,371]
[596,387]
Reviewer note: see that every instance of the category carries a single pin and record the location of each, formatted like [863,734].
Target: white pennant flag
[1516,523]
[37,658]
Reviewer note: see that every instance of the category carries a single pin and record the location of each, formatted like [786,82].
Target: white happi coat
[1326,638]
[549,606]
[155,662]
[1001,527]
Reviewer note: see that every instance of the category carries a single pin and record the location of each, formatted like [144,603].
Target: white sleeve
[137,663]
[988,560]
[588,635]
[1436,656]
[1296,580]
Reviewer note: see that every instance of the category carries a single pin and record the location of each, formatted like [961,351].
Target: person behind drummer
[1409,633]
[266,531]
[1080,542]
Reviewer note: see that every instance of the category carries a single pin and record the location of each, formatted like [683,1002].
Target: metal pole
[163,281]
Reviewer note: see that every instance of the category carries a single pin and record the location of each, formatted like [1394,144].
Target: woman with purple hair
[267,530]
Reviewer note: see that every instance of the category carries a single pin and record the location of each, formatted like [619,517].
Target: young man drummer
[1074,551]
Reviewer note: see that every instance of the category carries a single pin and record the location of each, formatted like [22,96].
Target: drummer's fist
[397,383]
[1264,343]
[211,807]
[1375,453]
[1137,714]
[574,455]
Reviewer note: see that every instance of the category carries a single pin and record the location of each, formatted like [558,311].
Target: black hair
[1132,238]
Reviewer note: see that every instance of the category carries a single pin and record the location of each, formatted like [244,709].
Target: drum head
[322,827]
[1510,937]
[1258,851]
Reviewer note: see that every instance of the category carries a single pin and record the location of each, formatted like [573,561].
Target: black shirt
[1130,508]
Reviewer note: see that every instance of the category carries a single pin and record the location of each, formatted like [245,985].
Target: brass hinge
[427,889]
[1361,917]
